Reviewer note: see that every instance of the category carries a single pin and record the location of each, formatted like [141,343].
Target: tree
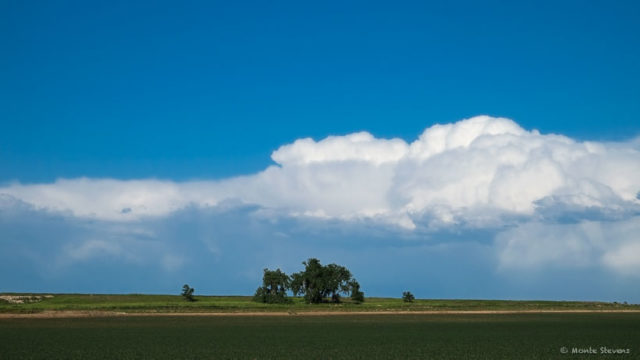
[275,284]
[407,296]
[187,292]
[309,281]
[357,296]
[318,282]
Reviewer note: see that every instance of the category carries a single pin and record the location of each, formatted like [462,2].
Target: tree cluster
[317,283]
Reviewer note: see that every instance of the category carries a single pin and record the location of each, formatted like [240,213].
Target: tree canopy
[407,296]
[317,282]
[275,284]
[187,292]
[356,295]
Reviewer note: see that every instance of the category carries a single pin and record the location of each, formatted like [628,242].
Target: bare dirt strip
[97,314]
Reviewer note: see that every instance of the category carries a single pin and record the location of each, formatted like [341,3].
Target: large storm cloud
[539,200]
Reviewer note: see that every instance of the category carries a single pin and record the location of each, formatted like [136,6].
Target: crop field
[407,336]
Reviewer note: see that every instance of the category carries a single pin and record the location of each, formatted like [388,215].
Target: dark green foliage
[187,292]
[318,282]
[357,296]
[275,284]
[407,296]
[433,337]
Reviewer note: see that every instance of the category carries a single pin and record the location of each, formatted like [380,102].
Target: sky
[456,150]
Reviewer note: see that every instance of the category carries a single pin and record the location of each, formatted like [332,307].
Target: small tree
[187,292]
[275,284]
[407,296]
[357,296]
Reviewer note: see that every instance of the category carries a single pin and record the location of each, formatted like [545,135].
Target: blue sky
[126,124]
[206,90]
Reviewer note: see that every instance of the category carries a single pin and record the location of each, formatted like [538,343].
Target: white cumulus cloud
[472,171]
[615,245]
[360,146]
[537,202]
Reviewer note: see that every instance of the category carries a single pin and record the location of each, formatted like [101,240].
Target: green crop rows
[442,336]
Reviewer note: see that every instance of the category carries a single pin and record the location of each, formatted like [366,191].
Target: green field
[171,303]
[359,336]
[409,336]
